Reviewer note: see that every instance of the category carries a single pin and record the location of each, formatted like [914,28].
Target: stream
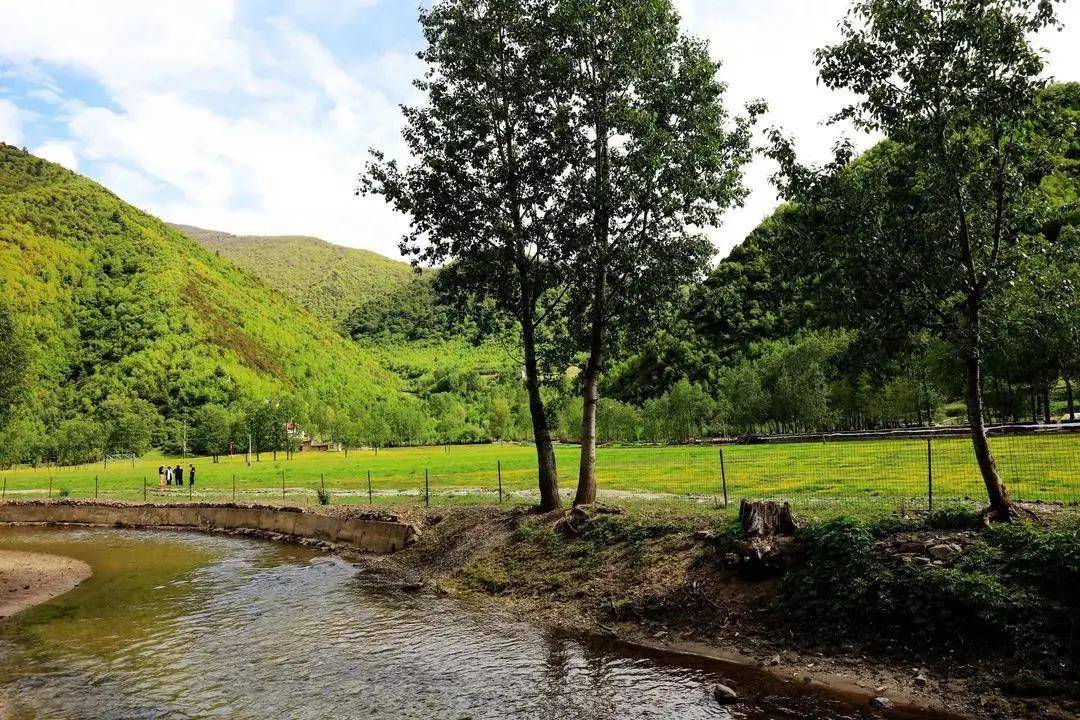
[191,625]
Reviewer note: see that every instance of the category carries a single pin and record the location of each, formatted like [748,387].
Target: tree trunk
[590,395]
[1000,504]
[601,226]
[1046,407]
[1069,399]
[547,473]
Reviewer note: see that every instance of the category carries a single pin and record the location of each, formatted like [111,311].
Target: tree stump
[767,529]
[765,518]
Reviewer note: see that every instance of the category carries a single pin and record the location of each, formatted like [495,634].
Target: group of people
[174,476]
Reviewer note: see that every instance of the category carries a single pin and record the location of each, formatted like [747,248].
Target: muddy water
[185,625]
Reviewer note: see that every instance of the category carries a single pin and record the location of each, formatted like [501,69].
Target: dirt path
[27,579]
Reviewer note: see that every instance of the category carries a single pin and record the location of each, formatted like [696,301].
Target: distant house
[319,446]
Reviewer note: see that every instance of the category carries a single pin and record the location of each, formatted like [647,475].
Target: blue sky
[255,116]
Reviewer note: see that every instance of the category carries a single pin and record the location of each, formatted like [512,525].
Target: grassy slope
[328,280]
[118,302]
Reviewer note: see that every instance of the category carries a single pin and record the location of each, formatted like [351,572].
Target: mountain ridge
[329,280]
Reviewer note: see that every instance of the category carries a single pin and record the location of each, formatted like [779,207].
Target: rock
[944,551]
[920,680]
[807,680]
[881,703]
[724,695]
[915,548]
[880,689]
[774,660]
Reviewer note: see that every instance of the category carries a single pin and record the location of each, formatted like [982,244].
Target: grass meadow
[883,474]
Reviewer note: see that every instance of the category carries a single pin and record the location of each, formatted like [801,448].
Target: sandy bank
[27,579]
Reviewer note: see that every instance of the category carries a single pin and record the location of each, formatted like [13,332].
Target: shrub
[323,496]
[841,581]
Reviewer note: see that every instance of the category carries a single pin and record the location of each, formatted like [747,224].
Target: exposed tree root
[1008,514]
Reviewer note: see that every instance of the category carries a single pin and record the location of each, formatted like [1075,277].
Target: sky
[256,116]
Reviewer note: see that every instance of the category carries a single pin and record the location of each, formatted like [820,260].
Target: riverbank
[922,611]
[28,579]
[668,581]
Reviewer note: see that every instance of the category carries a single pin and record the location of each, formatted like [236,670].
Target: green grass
[886,475]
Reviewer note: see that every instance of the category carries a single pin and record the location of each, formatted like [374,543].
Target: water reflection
[183,625]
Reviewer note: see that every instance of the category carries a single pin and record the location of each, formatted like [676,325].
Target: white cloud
[62,153]
[255,126]
[249,130]
[10,123]
[767,49]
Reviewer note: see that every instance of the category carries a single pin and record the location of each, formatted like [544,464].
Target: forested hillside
[329,280]
[132,328]
[458,387]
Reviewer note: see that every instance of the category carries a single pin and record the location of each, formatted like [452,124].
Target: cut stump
[765,518]
[767,528]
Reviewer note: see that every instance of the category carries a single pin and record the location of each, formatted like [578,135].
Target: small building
[319,446]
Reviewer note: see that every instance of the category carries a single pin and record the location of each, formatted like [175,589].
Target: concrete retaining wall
[370,535]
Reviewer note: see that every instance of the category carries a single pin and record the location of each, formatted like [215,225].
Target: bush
[323,496]
[63,493]
[841,581]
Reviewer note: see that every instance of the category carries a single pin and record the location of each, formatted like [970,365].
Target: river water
[187,625]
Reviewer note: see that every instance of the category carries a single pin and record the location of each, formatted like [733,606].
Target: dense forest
[131,331]
[330,281]
[771,353]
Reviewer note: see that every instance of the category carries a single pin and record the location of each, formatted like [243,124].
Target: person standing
[178,475]
[160,477]
[168,476]
[191,475]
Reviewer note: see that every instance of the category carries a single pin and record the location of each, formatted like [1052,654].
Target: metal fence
[877,471]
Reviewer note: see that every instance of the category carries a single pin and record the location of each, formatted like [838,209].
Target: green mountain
[119,307]
[329,280]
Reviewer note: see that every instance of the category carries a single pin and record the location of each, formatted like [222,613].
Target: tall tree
[484,192]
[14,360]
[657,156]
[953,83]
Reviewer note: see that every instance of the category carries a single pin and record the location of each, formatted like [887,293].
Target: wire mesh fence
[880,471]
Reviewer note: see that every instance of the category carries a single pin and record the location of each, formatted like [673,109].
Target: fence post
[723,476]
[95,487]
[50,486]
[929,475]
[499,462]
[144,488]
[234,487]
[5,487]
[282,484]
[370,500]
[427,489]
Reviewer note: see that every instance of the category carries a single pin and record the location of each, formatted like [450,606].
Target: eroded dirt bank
[27,579]
[665,581]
